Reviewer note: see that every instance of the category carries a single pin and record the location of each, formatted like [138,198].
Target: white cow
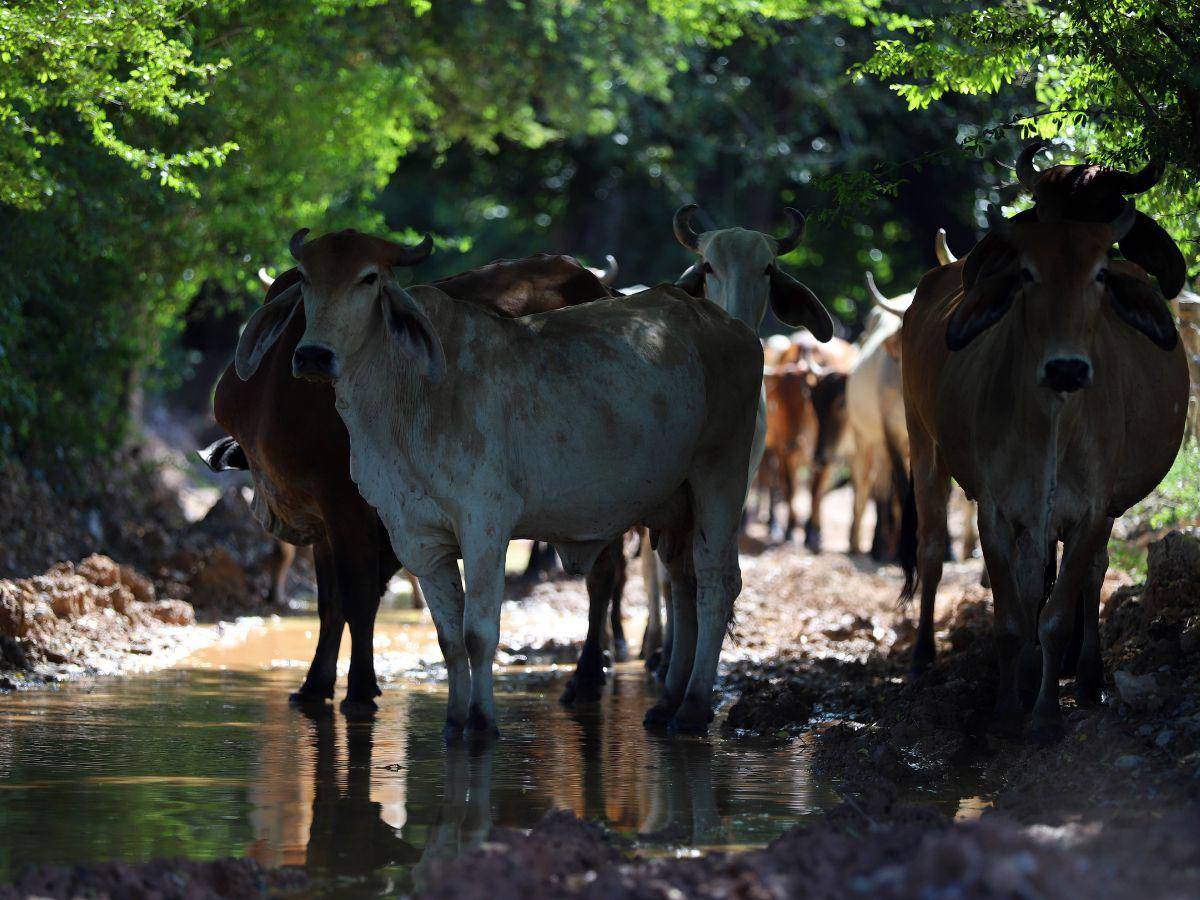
[468,430]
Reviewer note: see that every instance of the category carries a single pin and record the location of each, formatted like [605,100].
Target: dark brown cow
[1045,375]
[287,432]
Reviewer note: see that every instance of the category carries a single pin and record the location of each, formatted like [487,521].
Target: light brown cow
[1046,377]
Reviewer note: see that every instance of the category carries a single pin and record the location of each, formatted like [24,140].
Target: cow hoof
[581,691]
[659,715]
[308,698]
[620,651]
[359,709]
[479,726]
[653,661]
[687,726]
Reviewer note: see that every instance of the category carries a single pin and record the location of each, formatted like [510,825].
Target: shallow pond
[209,760]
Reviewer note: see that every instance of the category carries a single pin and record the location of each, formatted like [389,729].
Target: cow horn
[942,249]
[684,233]
[265,277]
[296,244]
[879,298]
[402,255]
[609,275]
[1026,173]
[791,240]
[1137,182]
[1121,224]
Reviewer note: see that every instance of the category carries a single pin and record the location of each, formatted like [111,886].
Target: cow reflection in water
[661,787]
[464,819]
[348,835]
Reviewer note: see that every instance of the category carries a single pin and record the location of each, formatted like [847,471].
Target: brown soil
[94,617]
[821,652]
[124,509]
[169,879]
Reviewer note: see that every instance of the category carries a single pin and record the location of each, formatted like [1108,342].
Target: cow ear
[412,332]
[1140,305]
[982,306]
[224,455]
[1148,245]
[796,305]
[692,280]
[263,330]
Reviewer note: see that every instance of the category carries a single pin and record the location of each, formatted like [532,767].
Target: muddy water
[209,760]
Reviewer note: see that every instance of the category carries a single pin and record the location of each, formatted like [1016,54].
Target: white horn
[879,299]
[264,277]
[942,249]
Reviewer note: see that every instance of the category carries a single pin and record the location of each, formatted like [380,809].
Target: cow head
[1058,277]
[738,271]
[342,278]
[1087,192]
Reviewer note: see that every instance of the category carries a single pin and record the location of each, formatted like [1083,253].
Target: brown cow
[299,458]
[1046,377]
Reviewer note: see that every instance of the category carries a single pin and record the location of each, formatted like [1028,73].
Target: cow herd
[527,399]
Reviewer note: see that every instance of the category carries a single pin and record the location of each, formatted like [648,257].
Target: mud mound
[871,846]
[551,861]
[86,617]
[169,879]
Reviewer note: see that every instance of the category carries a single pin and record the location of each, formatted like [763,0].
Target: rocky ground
[167,879]
[820,654]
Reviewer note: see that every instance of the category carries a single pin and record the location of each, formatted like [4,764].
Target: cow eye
[707,268]
[369,278]
[1026,277]
[767,270]
[1102,276]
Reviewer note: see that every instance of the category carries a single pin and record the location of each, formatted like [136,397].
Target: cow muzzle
[1066,375]
[312,362]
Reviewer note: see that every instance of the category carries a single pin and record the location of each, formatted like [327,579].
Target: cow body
[1056,416]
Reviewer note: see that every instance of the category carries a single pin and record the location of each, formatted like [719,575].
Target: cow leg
[588,679]
[652,639]
[788,465]
[444,594]
[681,640]
[718,583]
[996,539]
[818,485]
[322,673]
[1081,560]
[418,597]
[931,491]
[862,468]
[279,562]
[620,647]
[483,562]
[1089,669]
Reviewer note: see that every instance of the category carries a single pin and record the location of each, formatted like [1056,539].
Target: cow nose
[314,363]
[1067,375]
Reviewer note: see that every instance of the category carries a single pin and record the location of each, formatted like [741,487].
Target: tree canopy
[155,153]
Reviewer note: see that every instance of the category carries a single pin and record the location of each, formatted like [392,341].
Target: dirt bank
[131,509]
[169,879]
[96,618]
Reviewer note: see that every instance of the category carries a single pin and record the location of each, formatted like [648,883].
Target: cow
[875,418]
[288,434]
[1046,376]
[468,429]
[794,420]
[738,270]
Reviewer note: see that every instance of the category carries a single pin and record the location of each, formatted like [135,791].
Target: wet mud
[827,772]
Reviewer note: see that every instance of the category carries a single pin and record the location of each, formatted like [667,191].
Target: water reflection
[208,764]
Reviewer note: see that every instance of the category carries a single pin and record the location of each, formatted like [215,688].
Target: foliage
[1175,503]
[1114,79]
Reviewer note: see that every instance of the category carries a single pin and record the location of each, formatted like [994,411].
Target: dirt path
[934,801]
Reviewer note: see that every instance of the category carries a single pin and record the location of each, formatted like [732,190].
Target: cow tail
[907,549]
